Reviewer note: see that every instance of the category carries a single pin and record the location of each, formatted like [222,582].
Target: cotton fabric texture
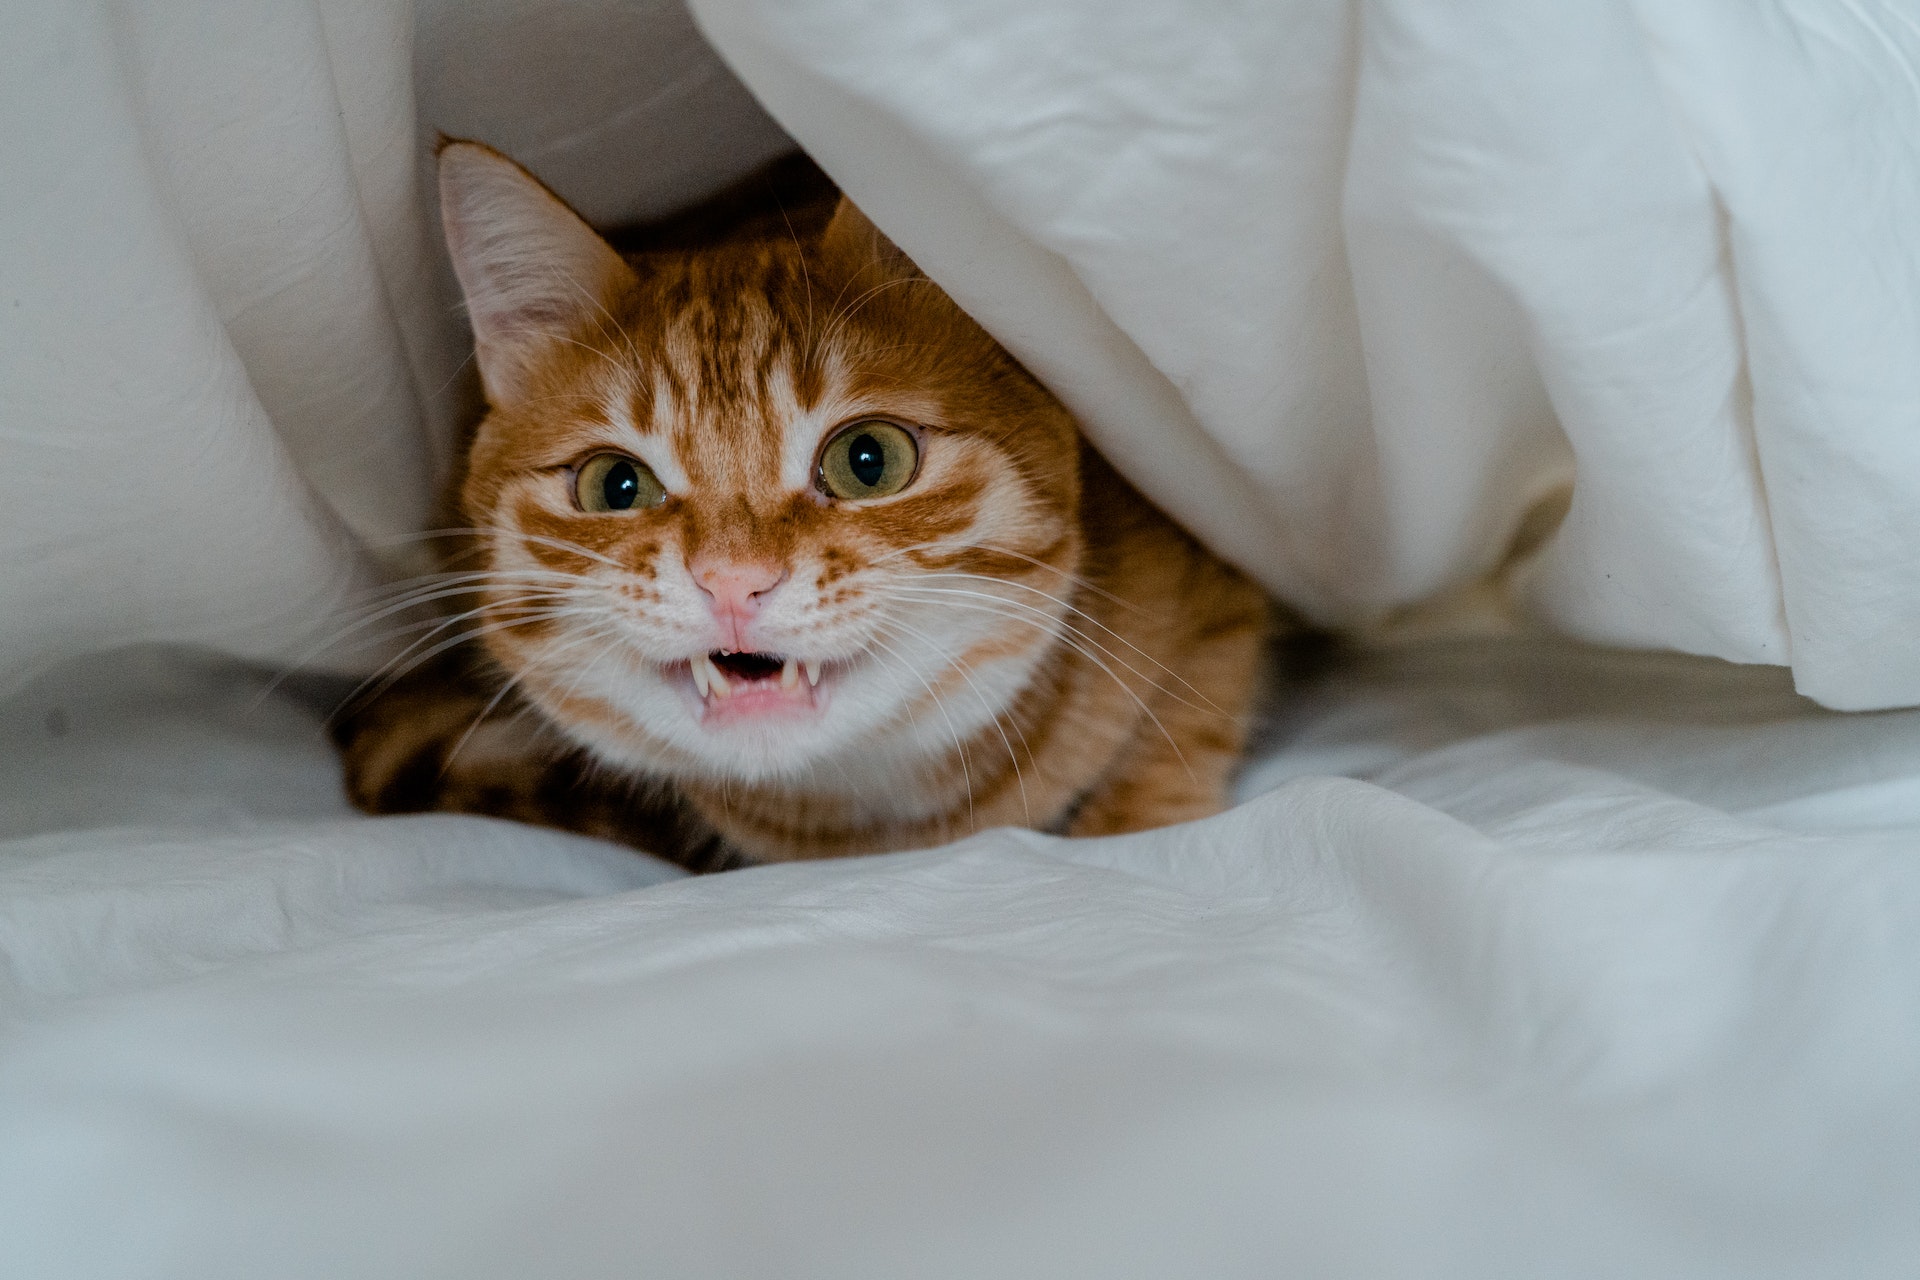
[1516,959]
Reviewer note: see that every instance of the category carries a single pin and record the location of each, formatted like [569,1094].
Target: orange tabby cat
[781,556]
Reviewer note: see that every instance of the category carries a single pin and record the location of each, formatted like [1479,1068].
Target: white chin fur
[868,723]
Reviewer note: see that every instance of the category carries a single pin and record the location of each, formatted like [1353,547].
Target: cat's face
[770,511]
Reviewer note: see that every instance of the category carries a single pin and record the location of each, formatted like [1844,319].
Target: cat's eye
[610,482]
[869,459]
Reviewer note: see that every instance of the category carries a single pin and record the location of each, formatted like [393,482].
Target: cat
[778,555]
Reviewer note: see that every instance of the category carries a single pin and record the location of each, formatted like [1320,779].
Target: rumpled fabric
[232,358]
[1513,961]
[1365,293]
[1353,287]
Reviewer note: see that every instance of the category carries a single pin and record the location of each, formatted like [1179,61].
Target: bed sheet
[1515,959]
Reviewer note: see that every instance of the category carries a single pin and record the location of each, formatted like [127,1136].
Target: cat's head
[755,510]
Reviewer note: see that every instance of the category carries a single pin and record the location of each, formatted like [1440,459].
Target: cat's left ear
[534,273]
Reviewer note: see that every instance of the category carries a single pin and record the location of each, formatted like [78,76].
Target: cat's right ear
[534,273]
[852,237]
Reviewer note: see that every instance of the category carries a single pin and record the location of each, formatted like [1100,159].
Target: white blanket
[1351,286]
[1517,960]
[1612,968]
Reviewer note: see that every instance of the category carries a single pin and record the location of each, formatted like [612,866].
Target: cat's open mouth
[736,685]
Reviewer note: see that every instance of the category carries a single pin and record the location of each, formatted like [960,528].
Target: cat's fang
[699,668]
[790,674]
[716,680]
[813,671]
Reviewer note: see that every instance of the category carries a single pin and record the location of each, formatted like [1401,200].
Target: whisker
[1078,612]
[806,276]
[993,715]
[386,680]
[413,598]
[612,631]
[463,584]
[1085,584]
[1069,641]
[512,682]
[1081,635]
[430,594]
[960,749]
[619,331]
[844,317]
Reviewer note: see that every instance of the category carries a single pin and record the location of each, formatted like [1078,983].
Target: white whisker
[959,747]
[513,681]
[993,714]
[385,679]
[1070,641]
[1070,627]
[1075,579]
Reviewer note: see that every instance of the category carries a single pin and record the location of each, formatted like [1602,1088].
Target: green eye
[609,482]
[869,459]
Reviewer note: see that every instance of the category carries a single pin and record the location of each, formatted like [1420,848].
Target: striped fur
[1018,637]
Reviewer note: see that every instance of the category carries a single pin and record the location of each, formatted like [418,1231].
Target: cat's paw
[435,742]
[440,741]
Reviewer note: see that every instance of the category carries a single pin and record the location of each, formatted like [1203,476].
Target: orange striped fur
[1015,637]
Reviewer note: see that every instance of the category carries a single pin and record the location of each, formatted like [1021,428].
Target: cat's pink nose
[735,592]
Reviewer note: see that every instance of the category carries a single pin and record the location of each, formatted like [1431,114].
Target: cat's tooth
[721,689]
[813,671]
[790,674]
[699,666]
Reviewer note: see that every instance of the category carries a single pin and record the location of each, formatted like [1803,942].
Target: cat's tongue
[746,686]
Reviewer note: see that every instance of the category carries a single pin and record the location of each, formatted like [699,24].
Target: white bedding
[1517,959]
[1608,967]
[1350,286]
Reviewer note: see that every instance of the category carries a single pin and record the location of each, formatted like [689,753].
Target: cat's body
[785,558]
